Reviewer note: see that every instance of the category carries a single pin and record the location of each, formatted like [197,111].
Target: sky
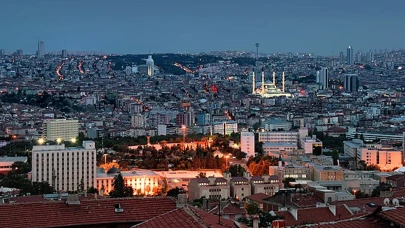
[323,27]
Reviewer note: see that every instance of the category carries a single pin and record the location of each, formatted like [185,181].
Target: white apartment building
[65,168]
[225,128]
[247,143]
[278,137]
[211,188]
[63,129]
[138,121]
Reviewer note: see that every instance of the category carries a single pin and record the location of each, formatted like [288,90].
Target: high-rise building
[371,56]
[349,56]
[341,57]
[247,143]
[64,53]
[62,129]
[151,65]
[323,77]
[41,49]
[65,168]
[351,83]
[19,52]
[138,121]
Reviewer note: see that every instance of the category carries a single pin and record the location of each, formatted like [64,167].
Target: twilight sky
[136,26]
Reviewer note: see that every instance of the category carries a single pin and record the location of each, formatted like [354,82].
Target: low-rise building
[211,188]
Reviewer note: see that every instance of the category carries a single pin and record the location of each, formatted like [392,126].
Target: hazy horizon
[132,27]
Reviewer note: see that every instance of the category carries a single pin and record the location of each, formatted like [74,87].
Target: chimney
[255,221]
[294,213]
[332,209]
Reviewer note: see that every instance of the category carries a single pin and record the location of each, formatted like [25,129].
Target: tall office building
[351,83]
[65,168]
[64,53]
[247,143]
[19,52]
[63,129]
[349,56]
[323,77]
[41,49]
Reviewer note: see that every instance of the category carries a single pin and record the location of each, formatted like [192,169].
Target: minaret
[262,81]
[274,78]
[283,82]
[253,82]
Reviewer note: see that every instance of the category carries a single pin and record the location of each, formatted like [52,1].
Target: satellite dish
[395,202]
[203,100]
[386,201]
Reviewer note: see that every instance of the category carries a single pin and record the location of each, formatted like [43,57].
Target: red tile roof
[89,212]
[312,215]
[365,223]
[395,215]
[258,197]
[395,177]
[187,217]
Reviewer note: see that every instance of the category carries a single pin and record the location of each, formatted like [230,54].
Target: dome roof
[113,170]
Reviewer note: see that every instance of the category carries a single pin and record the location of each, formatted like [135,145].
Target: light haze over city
[320,27]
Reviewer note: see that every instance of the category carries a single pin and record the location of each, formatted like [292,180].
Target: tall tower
[253,82]
[151,64]
[257,51]
[274,78]
[349,57]
[324,77]
[41,49]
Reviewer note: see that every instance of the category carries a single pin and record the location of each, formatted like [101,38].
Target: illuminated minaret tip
[253,82]
[283,82]
[274,78]
[263,81]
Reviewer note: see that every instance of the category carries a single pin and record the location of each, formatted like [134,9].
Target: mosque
[269,90]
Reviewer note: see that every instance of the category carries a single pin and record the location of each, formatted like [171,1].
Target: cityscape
[239,136]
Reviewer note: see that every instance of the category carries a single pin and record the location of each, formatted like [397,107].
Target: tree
[236,170]
[120,189]
[287,181]
[252,208]
[20,168]
[335,157]
[40,188]
[92,190]
[174,192]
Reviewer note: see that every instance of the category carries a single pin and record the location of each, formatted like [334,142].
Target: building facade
[65,168]
[247,143]
[62,129]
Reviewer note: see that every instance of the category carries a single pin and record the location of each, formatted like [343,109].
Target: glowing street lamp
[226,160]
[58,140]
[41,141]
[73,140]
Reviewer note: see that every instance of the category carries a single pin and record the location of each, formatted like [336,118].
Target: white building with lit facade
[226,127]
[65,168]
[247,143]
[143,182]
[62,129]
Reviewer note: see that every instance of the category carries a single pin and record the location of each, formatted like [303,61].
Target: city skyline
[323,28]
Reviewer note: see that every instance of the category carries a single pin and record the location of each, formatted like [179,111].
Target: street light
[58,140]
[105,158]
[41,141]
[226,160]
[73,140]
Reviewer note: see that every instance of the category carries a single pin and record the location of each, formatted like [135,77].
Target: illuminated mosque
[269,90]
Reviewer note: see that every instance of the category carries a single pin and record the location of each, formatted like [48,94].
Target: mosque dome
[113,170]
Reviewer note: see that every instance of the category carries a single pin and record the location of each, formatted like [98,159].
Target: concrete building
[65,168]
[278,137]
[275,148]
[138,121]
[210,188]
[247,143]
[63,129]
[328,173]
[162,129]
[349,56]
[351,83]
[386,158]
[323,77]
[226,127]
[276,125]
[311,145]
[143,182]
[266,184]
[240,187]
[297,172]
[41,49]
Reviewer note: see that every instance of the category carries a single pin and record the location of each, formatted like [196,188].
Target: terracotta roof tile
[395,215]
[89,212]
